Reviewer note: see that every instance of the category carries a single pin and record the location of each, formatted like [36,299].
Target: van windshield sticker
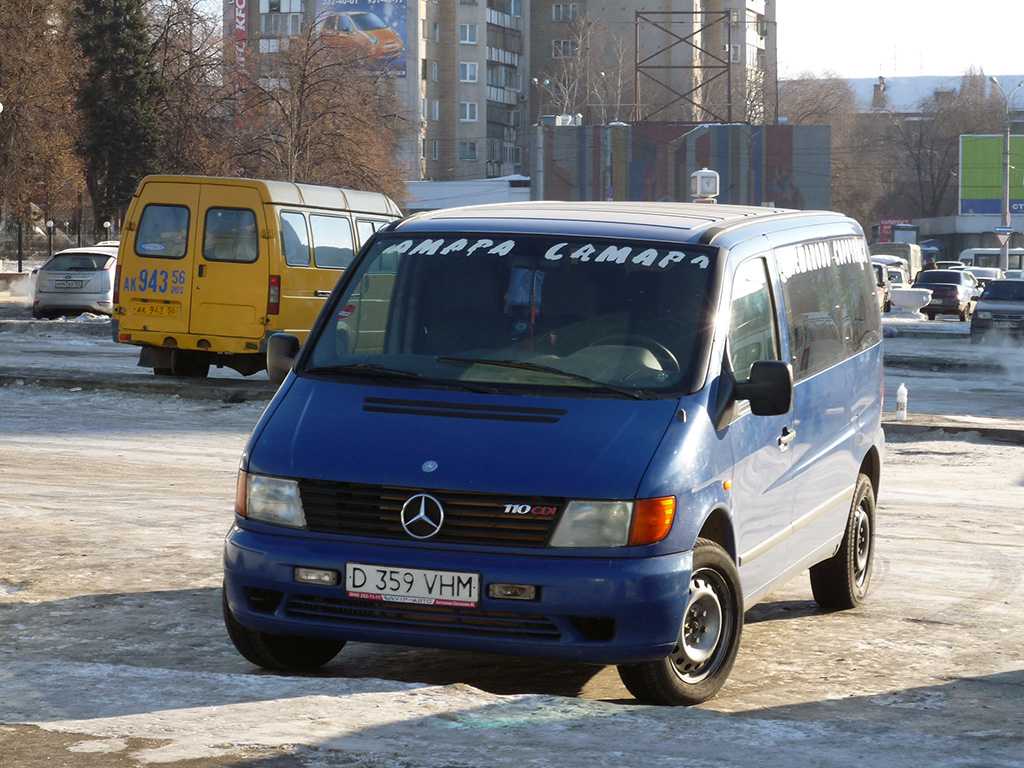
[644,256]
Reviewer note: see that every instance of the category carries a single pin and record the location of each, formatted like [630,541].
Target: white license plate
[412,585]
[1004,324]
[67,283]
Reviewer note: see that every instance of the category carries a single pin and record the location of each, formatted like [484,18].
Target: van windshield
[607,317]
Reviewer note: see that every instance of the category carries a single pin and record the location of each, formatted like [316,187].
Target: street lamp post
[49,237]
[1004,252]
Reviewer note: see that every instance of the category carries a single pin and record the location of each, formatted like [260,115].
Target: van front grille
[400,615]
[355,509]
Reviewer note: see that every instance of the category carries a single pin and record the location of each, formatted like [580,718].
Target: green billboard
[981,174]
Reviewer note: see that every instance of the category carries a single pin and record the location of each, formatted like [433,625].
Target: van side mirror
[769,389]
[281,351]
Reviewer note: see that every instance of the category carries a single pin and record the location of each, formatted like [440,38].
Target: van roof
[678,222]
[288,193]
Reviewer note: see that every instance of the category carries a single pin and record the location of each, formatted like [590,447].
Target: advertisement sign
[374,27]
[981,174]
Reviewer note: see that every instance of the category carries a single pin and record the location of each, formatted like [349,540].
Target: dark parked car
[954,292]
[1000,311]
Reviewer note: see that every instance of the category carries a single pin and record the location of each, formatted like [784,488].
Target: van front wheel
[842,581]
[708,639]
[281,653]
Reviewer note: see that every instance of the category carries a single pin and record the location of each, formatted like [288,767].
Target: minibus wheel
[708,640]
[842,581]
[280,653]
[189,365]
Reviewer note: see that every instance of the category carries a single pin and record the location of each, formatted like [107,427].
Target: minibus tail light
[274,296]
[652,520]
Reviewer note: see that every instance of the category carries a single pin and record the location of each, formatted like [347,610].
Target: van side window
[230,235]
[753,331]
[828,288]
[365,229]
[860,314]
[332,241]
[163,232]
[294,239]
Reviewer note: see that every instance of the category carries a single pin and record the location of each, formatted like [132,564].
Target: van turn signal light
[652,520]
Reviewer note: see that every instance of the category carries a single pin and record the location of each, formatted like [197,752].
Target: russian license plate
[412,585]
[1004,324]
[68,283]
[155,310]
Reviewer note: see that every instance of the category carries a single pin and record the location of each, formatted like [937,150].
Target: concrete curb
[924,424]
[225,390]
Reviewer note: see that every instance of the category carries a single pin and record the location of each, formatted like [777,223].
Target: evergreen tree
[121,131]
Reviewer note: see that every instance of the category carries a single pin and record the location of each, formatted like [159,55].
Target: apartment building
[469,93]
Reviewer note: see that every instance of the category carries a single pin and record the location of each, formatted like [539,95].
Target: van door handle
[202,270]
[786,438]
[321,294]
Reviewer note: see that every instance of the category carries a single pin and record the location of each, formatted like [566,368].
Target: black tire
[842,581]
[280,653]
[931,315]
[708,639]
[887,306]
[189,365]
[162,372]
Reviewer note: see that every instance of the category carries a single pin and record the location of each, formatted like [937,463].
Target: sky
[900,38]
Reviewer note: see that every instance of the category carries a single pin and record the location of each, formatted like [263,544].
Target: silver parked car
[76,280]
[1000,311]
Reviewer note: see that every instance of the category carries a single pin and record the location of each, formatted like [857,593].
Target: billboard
[786,166]
[981,174]
[376,27]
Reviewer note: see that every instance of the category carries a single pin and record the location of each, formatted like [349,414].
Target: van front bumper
[595,610]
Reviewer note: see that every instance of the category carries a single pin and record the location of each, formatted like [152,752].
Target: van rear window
[230,234]
[163,232]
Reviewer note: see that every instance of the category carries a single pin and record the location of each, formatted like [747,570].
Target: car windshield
[72,262]
[367,22]
[1010,290]
[598,316]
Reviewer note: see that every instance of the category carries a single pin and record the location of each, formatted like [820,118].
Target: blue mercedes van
[598,432]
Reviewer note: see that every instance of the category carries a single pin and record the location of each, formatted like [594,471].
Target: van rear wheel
[708,639]
[280,653]
[842,581]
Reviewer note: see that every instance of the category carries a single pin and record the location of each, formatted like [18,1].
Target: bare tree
[322,115]
[857,163]
[591,75]
[187,45]
[924,148]
[39,128]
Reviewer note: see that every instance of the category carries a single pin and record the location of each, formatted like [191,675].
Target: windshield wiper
[637,394]
[375,370]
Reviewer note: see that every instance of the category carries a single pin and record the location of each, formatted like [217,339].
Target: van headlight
[982,314]
[274,500]
[594,524]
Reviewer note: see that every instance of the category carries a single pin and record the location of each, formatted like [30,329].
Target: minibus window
[294,239]
[163,232]
[332,241]
[523,311]
[753,333]
[230,235]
